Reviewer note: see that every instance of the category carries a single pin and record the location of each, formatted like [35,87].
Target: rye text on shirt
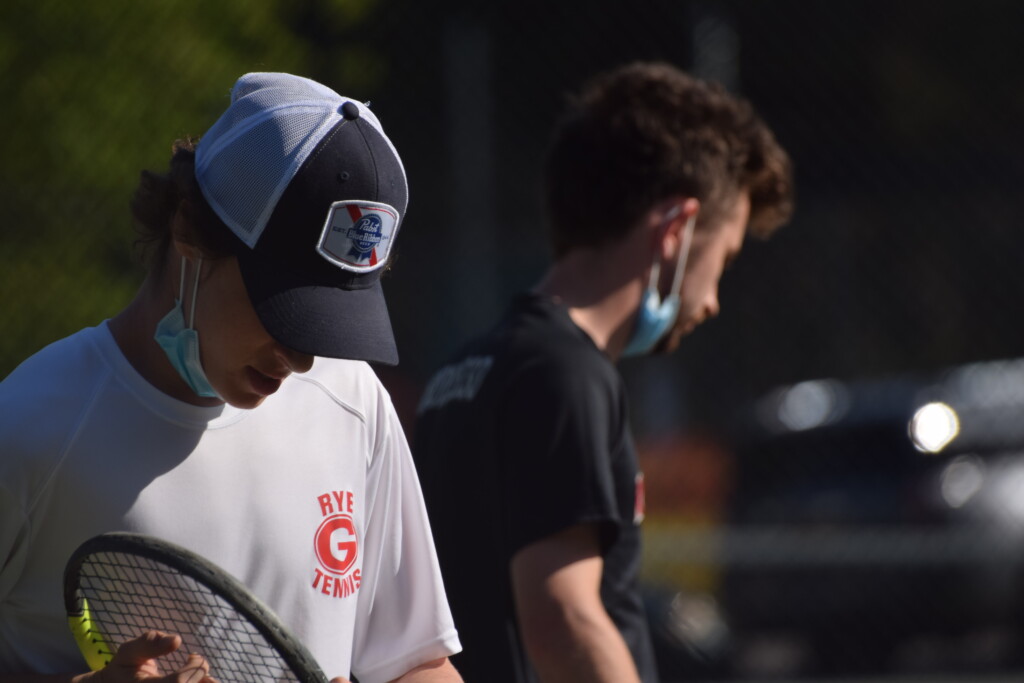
[337,546]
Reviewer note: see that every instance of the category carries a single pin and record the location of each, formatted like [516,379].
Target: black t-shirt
[524,434]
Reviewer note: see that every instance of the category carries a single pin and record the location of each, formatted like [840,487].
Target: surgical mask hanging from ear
[181,343]
[656,317]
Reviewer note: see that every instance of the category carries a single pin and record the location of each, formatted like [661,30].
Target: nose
[296,361]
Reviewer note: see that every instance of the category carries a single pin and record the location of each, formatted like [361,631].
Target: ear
[676,213]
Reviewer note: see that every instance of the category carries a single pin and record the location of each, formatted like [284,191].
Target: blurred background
[835,465]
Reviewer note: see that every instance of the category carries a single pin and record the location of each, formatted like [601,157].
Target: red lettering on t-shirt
[317,576]
[336,545]
[344,500]
[326,507]
[639,500]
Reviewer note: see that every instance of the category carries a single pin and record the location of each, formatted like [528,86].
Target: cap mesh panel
[244,197]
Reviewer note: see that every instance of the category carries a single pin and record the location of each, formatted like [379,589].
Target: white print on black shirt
[456,382]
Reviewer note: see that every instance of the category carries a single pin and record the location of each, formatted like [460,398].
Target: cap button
[350,111]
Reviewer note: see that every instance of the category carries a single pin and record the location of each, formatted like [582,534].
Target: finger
[148,646]
[339,679]
[196,670]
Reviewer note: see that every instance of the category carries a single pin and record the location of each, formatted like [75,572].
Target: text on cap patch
[358,235]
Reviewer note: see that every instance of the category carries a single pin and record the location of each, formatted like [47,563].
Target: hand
[136,660]
[339,679]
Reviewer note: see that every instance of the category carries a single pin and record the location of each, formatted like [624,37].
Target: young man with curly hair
[229,407]
[652,181]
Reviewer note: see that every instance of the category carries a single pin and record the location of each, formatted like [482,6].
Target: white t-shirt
[87,446]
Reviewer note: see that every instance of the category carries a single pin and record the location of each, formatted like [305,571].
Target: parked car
[869,527]
[878,526]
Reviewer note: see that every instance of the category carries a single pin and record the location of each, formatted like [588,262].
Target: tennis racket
[117,586]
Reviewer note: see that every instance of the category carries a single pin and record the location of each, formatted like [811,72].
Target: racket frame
[97,650]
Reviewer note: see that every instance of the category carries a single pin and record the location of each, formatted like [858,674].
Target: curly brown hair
[647,131]
[158,199]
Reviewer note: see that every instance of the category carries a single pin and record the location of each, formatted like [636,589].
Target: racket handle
[93,646]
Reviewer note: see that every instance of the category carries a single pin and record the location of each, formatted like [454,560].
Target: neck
[133,329]
[602,291]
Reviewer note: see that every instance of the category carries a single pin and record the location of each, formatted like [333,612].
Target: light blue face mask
[181,343]
[656,317]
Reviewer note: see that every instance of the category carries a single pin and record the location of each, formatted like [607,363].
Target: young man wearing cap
[179,417]
[522,441]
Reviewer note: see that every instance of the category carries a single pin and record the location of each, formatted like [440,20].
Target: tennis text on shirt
[337,546]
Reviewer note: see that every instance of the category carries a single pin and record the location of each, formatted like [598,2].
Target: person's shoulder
[44,396]
[535,346]
[350,384]
[538,331]
[57,369]
[559,351]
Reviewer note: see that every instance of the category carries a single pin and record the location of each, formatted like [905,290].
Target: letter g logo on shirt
[336,544]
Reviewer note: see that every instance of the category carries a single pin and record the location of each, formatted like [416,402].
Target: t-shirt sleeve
[556,430]
[18,424]
[12,540]
[14,537]
[403,616]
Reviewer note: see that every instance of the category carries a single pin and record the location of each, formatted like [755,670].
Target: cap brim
[322,320]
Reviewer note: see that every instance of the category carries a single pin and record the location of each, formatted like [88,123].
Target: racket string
[129,595]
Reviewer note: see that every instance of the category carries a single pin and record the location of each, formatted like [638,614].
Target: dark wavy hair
[158,199]
[645,132]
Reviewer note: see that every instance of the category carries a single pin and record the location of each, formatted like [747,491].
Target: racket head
[119,585]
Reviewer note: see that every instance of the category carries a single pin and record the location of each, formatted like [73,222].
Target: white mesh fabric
[248,157]
[248,176]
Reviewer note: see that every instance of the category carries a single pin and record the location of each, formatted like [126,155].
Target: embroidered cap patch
[358,235]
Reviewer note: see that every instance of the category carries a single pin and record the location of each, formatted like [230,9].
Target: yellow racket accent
[94,647]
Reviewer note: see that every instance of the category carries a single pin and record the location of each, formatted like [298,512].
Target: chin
[246,402]
[671,341]
[668,344]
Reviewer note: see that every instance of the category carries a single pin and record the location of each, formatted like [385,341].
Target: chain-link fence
[793,528]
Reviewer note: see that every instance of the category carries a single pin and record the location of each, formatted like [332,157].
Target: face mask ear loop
[181,281]
[652,283]
[684,253]
[195,292]
[655,268]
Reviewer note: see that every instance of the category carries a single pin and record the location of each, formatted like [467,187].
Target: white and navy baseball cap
[315,193]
